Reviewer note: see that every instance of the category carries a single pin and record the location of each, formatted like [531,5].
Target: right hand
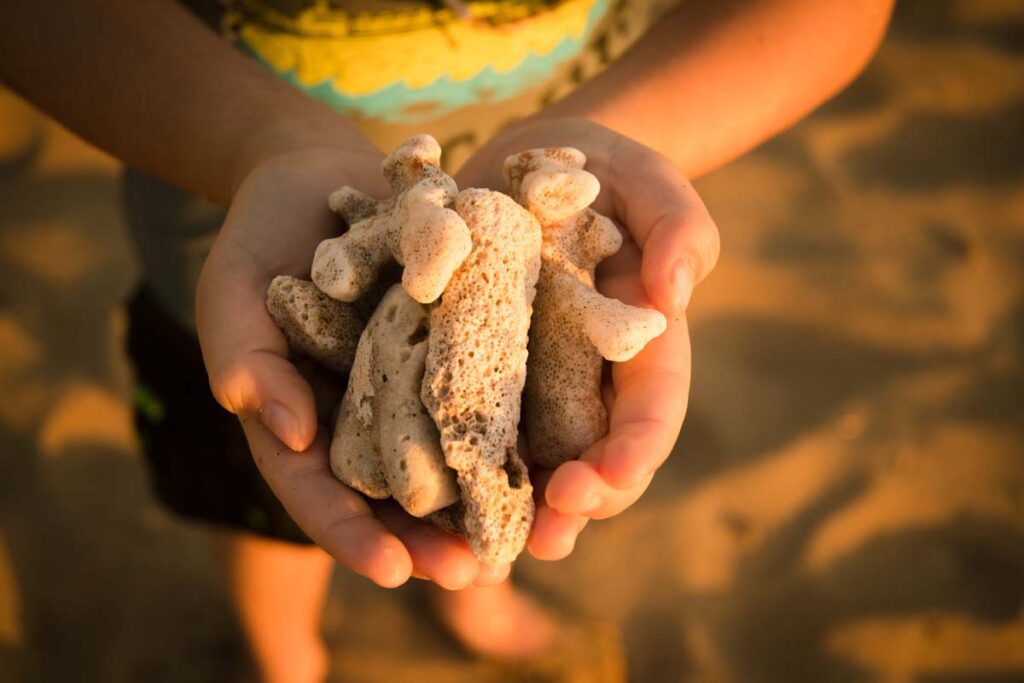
[277,217]
[669,245]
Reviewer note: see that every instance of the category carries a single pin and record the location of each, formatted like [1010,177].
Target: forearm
[150,84]
[714,79]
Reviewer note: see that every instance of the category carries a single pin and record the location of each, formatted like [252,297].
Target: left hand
[277,217]
[669,246]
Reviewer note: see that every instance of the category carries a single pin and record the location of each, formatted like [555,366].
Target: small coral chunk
[385,443]
[316,325]
[414,226]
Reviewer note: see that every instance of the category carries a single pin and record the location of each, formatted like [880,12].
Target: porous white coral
[414,227]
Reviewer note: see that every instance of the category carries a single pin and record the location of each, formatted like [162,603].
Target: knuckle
[705,248]
[232,385]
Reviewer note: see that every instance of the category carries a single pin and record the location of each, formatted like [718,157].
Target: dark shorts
[199,463]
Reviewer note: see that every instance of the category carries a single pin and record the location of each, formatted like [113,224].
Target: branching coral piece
[573,325]
[414,226]
[385,443]
[476,367]
[316,325]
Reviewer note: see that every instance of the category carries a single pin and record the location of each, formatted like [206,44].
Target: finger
[651,395]
[333,516]
[246,355]
[615,501]
[492,575]
[668,220]
[577,489]
[437,555]
[650,391]
[553,536]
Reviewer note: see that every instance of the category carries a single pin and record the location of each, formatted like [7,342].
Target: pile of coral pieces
[496,306]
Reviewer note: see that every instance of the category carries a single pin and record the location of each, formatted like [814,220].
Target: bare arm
[714,79]
[149,83]
[710,81]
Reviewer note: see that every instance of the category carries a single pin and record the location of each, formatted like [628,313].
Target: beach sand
[845,503]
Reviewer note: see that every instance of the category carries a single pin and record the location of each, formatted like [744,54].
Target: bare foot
[496,621]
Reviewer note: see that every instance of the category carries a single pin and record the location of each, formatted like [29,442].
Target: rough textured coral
[450,518]
[413,226]
[385,443]
[408,440]
[355,457]
[573,325]
[315,324]
[476,367]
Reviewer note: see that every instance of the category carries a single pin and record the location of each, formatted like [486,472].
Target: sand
[846,501]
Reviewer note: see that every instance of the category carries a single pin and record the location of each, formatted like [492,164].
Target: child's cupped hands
[670,245]
[277,218]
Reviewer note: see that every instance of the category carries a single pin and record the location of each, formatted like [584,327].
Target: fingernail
[682,284]
[280,421]
[591,502]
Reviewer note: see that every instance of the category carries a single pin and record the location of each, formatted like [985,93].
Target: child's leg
[497,621]
[278,590]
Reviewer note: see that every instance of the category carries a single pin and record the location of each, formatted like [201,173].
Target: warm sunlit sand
[846,501]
